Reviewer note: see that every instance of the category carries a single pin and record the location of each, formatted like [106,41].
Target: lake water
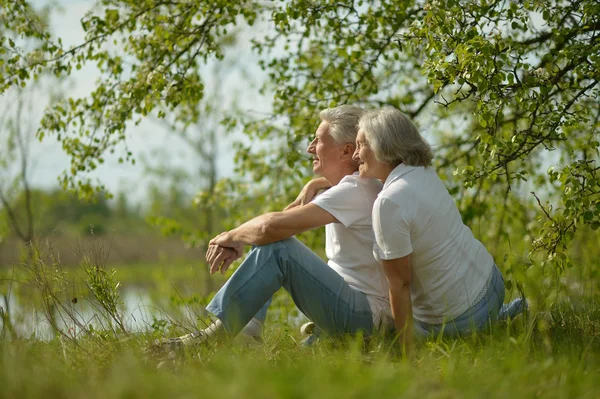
[140,311]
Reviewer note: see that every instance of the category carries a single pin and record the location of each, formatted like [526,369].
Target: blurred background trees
[505,91]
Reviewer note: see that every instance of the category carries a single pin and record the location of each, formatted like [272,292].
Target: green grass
[550,357]
[550,354]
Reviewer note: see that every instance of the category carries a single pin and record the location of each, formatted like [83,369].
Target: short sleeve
[347,201]
[391,224]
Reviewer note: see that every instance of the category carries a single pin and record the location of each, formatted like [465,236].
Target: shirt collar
[397,173]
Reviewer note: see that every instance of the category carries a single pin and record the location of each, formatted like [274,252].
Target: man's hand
[224,240]
[220,258]
[222,252]
[309,191]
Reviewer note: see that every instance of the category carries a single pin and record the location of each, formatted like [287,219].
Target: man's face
[326,153]
[368,165]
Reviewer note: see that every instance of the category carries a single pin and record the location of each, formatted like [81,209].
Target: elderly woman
[439,274]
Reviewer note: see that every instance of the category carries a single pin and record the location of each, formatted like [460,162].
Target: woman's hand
[309,191]
[398,273]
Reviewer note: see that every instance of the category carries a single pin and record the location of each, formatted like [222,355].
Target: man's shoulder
[369,185]
[352,188]
[350,201]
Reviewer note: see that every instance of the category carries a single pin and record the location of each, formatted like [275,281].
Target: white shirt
[414,213]
[349,243]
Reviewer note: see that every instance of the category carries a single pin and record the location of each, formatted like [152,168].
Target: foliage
[57,211]
[162,46]
[504,87]
[104,288]
[174,187]
[17,132]
[504,90]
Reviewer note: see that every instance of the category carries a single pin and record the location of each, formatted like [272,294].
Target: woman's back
[414,213]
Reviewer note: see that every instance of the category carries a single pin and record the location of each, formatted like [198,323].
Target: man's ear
[349,150]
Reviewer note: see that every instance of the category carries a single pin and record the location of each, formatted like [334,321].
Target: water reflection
[28,321]
[140,313]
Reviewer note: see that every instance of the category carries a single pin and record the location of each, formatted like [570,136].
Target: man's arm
[220,257]
[275,226]
[397,272]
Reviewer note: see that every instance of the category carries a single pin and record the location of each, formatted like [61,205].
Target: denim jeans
[479,316]
[316,289]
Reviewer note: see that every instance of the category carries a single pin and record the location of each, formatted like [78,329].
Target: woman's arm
[309,191]
[397,272]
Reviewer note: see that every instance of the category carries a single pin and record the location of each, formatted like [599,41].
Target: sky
[150,137]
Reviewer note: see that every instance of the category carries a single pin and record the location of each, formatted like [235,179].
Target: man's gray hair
[343,122]
[394,138]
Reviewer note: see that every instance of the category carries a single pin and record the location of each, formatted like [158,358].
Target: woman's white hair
[394,138]
[343,122]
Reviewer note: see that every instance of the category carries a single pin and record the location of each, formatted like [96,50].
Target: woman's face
[368,166]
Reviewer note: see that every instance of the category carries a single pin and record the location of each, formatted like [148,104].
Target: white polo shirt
[414,213]
[349,244]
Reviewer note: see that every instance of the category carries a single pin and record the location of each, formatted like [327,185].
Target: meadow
[506,92]
[552,352]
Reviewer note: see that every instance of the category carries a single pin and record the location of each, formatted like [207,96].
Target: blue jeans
[316,289]
[479,316]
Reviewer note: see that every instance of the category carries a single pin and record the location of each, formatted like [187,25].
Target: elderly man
[346,295]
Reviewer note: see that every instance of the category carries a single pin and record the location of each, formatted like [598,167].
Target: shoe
[248,341]
[513,309]
[309,341]
[311,332]
[251,334]
[308,328]
[193,338]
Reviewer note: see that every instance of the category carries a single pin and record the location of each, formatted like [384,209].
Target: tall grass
[519,360]
[554,352]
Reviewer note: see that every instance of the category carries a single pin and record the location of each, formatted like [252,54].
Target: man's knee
[277,245]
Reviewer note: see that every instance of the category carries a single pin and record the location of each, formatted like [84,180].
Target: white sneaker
[248,341]
[193,338]
[311,333]
[251,334]
[307,328]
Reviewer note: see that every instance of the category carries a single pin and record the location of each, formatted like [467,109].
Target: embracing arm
[309,191]
[297,217]
[397,272]
[276,226]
